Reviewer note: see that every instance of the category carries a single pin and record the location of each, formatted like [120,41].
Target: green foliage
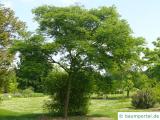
[0,99]
[22,94]
[11,28]
[27,92]
[152,62]
[156,91]
[117,86]
[55,85]
[128,85]
[34,65]
[95,40]
[79,92]
[9,82]
[6,96]
[144,99]
[141,80]
[102,85]
[13,87]
[12,82]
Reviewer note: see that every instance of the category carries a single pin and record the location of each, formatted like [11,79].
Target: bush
[0,99]
[79,93]
[17,95]
[22,95]
[144,99]
[27,92]
[156,91]
[6,96]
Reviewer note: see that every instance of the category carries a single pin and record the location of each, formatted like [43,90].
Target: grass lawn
[22,108]
[31,108]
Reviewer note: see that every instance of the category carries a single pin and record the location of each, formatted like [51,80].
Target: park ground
[31,108]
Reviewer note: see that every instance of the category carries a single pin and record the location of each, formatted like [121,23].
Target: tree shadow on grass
[50,117]
[10,115]
[25,117]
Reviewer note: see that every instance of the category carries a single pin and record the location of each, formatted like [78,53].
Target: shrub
[144,99]
[27,92]
[23,95]
[12,87]
[0,99]
[17,95]
[37,95]
[156,91]
[6,96]
[79,93]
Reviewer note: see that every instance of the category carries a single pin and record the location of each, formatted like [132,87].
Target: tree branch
[66,69]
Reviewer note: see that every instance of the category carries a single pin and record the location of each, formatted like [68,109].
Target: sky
[142,15]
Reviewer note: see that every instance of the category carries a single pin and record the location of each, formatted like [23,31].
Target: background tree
[118,52]
[33,66]
[10,28]
[128,86]
[103,85]
[152,61]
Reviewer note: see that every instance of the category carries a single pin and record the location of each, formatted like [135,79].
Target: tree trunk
[66,105]
[128,93]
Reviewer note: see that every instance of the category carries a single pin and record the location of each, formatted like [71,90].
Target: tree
[71,30]
[103,84]
[152,60]
[10,28]
[128,86]
[33,66]
[9,82]
[85,40]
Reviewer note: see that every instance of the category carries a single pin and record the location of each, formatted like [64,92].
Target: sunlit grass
[24,105]
[31,108]
[110,108]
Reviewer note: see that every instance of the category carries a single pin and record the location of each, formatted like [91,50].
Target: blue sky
[142,15]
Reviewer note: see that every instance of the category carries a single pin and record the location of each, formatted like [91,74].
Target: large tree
[10,28]
[83,39]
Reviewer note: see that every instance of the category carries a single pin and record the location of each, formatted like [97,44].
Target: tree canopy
[33,66]
[86,39]
[10,28]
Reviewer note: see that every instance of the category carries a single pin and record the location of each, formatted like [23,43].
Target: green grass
[4,112]
[22,108]
[31,108]
[24,105]
[110,108]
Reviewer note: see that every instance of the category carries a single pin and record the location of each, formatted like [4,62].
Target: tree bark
[66,104]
